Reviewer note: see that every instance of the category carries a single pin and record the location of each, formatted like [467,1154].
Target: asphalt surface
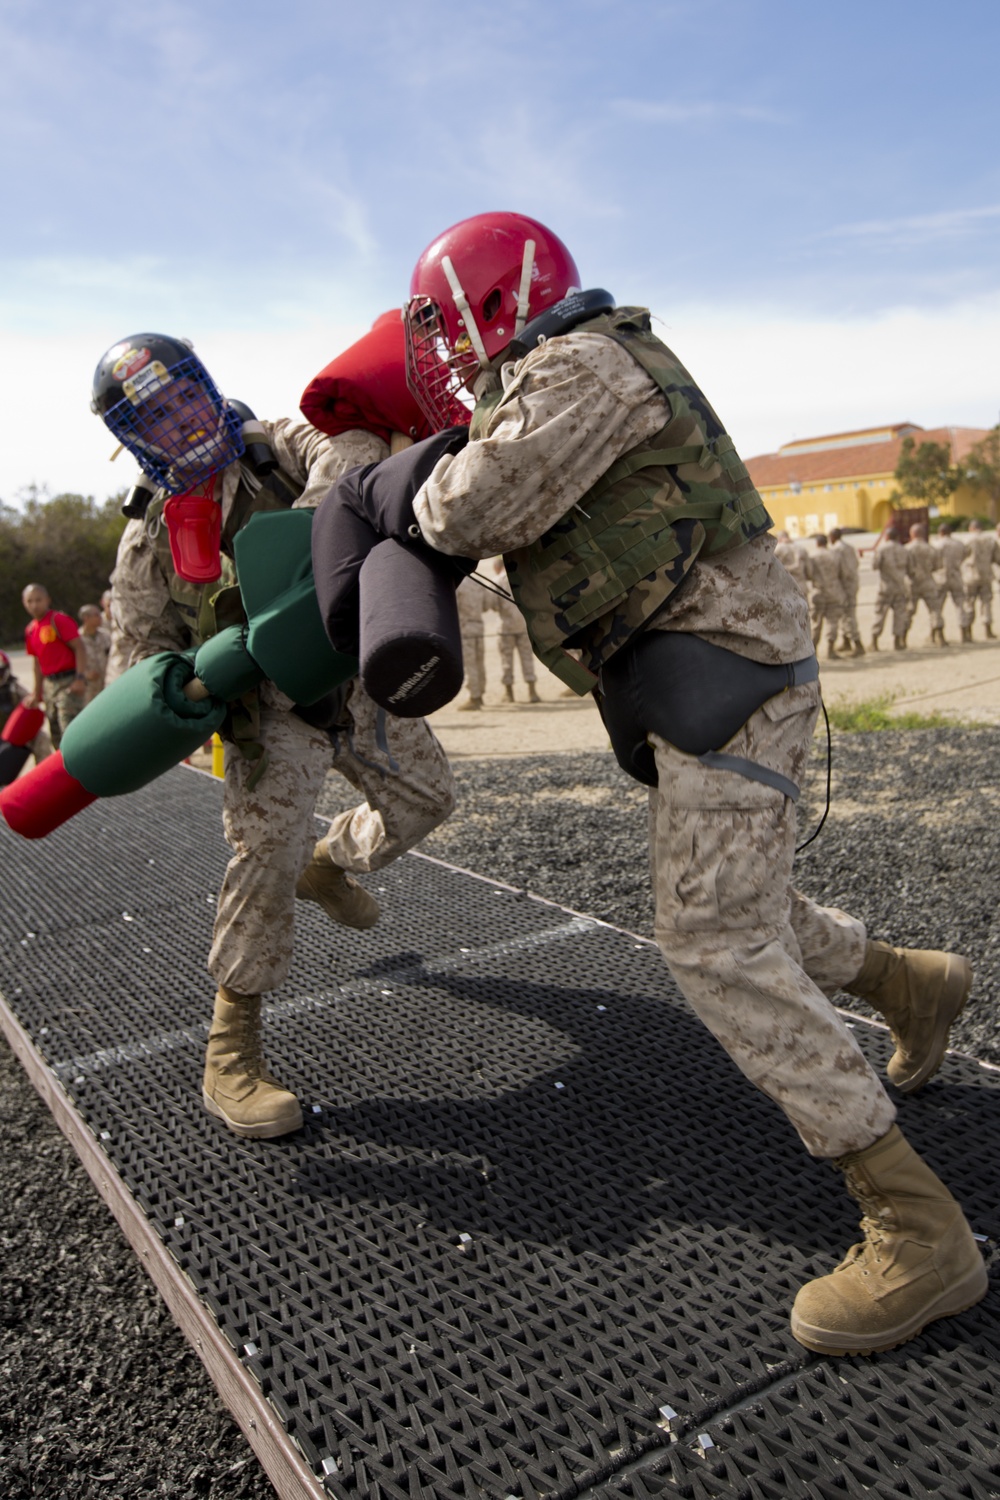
[102,1396]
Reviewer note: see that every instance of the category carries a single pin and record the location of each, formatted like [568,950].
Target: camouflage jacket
[825,576]
[155,610]
[570,411]
[889,562]
[850,566]
[950,557]
[921,560]
[982,551]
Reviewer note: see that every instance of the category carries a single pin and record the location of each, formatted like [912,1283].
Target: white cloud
[773,376]
[917,229]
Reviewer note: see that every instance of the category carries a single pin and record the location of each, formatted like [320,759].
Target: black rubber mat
[538,1236]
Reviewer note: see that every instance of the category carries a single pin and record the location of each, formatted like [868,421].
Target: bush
[67,544]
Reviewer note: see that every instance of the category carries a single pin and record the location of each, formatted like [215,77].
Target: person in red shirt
[53,642]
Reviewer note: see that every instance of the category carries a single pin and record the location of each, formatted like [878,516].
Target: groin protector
[687,691]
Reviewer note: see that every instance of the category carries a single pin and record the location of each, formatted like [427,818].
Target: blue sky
[808,196]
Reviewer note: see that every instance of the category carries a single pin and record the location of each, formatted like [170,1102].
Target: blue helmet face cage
[176,424]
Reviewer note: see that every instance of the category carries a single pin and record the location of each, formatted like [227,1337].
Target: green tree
[925,473]
[981,472]
[67,543]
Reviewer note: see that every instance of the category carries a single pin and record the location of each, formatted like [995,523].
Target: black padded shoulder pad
[366,506]
[574,309]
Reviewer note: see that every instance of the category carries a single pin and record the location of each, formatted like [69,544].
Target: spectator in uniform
[96,641]
[511,637]
[982,554]
[825,575]
[847,563]
[951,553]
[471,602]
[921,562]
[889,562]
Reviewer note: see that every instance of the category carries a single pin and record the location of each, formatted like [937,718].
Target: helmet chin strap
[462,303]
[524,290]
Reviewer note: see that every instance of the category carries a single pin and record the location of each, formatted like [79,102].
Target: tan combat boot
[899,642]
[918,1260]
[920,992]
[238,1088]
[533,693]
[967,634]
[988,632]
[831,650]
[859,650]
[470,703]
[874,644]
[341,896]
[508,693]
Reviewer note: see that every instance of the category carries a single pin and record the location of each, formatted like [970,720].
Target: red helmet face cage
[438,379]
[472,291]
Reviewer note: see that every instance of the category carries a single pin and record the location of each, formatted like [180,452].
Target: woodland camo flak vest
[605,569]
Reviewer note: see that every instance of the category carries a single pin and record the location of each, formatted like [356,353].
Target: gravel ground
[102,1396]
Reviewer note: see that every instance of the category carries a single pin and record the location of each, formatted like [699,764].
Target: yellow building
[846,479]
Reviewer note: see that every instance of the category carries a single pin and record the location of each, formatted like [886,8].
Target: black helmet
[156,396]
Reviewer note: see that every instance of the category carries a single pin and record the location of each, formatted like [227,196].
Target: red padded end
[46,797]
[365,387]
[22,725]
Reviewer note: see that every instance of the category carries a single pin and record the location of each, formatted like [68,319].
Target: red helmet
[472,291]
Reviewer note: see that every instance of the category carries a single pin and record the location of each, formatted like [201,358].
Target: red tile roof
[856,461]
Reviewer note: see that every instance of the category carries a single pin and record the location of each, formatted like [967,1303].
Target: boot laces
[878,1221]
[250,1054]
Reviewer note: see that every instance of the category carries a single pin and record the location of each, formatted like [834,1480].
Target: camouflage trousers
[507,643]
[931,595]
[755,959]
[828,611]
[61,704]
[897,601]
[849,621]
[980,593]
[474,657]
[271,828]
[953,589]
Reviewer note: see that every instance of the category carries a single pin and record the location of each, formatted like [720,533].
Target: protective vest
[610,564]
[210,607]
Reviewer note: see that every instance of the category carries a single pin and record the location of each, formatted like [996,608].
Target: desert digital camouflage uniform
[397,764]
[96,648]
[471,597]
[755,959]
[796,560]
[982,552]
[849,565]
[511,634]
[889,562]
[921,560]
[951,553]
[824,570]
